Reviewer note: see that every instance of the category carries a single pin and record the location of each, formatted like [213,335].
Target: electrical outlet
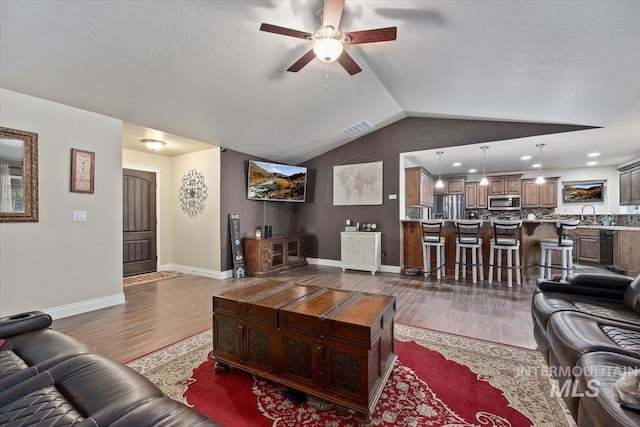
[393,196]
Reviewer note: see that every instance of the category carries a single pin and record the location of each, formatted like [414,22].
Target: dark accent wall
[324,221]
[233,199]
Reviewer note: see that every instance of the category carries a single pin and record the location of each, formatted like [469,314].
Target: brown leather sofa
[48,378]
[589,332]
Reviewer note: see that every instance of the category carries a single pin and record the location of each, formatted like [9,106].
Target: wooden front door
[138,222]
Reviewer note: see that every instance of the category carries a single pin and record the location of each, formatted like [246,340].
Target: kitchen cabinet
[630,185]
[508,184]
[626,255]
[587,246]
[540,195]
[475,196]
[361,250]
[418,187]
[452,186]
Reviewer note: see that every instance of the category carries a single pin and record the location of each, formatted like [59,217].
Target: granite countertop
[553,221]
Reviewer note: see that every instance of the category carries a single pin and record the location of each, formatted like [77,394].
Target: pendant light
[540,178]
[439,183]
[484,180]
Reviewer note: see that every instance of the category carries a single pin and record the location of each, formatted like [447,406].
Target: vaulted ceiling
[204,71]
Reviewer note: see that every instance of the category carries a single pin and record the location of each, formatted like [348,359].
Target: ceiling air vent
[358,129]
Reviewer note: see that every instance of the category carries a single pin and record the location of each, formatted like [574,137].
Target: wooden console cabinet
[330,343]
[269,256]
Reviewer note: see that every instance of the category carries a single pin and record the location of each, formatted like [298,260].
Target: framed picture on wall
[82,170]
[583,191]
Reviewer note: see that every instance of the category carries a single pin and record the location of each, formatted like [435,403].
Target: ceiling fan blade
[348,63]
[284,31]
[332,13]
[306,58]
[372,36]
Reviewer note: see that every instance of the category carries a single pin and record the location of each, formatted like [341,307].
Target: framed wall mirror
[18,175]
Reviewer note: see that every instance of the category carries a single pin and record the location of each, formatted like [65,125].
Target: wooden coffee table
[329,343]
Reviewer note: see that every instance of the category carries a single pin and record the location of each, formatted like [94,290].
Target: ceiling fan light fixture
[328,49]
[153,144]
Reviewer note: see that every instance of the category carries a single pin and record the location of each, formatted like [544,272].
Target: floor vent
[358,129]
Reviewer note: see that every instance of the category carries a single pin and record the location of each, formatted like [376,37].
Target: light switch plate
[392,196]
[79,215]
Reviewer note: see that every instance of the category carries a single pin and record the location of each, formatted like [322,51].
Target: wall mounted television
[276,182]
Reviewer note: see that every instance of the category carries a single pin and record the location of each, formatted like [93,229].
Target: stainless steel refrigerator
[449,206]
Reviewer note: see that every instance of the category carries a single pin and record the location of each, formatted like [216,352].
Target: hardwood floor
[160,313]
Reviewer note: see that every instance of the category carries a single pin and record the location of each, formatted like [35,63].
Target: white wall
[162,166]
[611,177]
[57,264]
[196,241]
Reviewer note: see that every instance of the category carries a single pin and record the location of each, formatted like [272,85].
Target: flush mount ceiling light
[484,180]
[592,163]
[525,158]
[439,183]
[593,154]
[153,144]
[540,178]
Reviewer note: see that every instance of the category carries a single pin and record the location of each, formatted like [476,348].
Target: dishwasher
[607,246]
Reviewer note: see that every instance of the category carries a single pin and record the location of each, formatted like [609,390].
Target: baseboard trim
[185,269]
[85,306]
[391,269]
[325,262]
[337,263]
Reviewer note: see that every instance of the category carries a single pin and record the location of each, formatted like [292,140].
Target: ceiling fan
[329,40]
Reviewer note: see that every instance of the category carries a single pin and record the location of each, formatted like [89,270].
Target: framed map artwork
[357,184]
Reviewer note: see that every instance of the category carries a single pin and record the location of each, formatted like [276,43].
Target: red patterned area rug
[149,277]
[439,380]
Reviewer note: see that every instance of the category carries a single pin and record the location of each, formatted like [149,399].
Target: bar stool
[564,244]
[468,238]
[505,237]
[432,238]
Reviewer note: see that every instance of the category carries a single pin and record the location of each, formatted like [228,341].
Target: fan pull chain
[327,80]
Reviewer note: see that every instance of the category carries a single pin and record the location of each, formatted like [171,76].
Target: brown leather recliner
[48,378]
[590,315]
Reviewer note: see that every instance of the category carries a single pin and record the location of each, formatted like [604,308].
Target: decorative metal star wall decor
[193,193]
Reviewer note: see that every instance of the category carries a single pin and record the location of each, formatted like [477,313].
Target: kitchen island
[626,245]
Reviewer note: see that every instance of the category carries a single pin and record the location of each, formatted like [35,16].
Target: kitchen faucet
[594,213]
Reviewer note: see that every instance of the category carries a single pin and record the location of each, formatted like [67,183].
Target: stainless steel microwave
[504,203]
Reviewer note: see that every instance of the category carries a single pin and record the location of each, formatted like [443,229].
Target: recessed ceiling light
[537,165]
[525,158]
[591,163]
[593,154]
[457,164]
[472,170]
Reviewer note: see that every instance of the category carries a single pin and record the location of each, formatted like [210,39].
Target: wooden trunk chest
[330,343]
